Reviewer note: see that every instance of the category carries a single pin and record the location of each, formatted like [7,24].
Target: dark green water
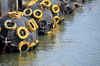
[75,42]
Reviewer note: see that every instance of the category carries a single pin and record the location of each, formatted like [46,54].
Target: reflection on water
[17,59]
[74,42]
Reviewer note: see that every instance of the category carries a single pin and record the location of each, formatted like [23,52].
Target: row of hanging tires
[19,29]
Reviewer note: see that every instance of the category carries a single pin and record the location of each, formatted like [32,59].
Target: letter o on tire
[10,25]
[55,9]
[23,46]
[47,2]
[31,26]
[27,12]
[37,13]
[65,1]
[22,32]
[57,18]
[42,23]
